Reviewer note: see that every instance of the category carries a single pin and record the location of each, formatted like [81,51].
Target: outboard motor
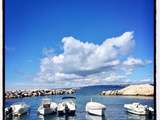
[8,112]
[66,109]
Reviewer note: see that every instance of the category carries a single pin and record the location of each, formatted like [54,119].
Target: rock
[132,90]
[37,92]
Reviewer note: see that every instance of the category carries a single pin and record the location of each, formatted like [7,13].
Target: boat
[95,108]
[47,107]
[61,108]
[139,109]
[19,109]
[70,106]
[67,107]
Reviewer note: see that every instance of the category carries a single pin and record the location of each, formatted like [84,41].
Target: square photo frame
[79,60]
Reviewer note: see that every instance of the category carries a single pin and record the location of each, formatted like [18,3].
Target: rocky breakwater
[38,92]
[132,90]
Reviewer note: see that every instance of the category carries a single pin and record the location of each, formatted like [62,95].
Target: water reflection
[139,117]
[94,117]
[114,104]
[22,117]
[54,117]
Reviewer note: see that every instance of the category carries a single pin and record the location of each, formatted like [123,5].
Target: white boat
[95,108]
[61,108]
[19,109]
[70,106]
[67,106]
[47,107]
[139,109]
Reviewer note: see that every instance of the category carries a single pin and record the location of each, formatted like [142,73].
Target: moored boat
[61,109]
[19,109]
[70,106]
[95,108]
[47,107]
[67,106]
[139,109]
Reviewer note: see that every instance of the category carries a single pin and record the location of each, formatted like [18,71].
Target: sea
[114,105]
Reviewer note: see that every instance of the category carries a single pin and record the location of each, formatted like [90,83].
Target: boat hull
[94,117]
[18,110]
[98,112]
[137,112]
[46,111]
[66,112]
[70,112]
[60,113]
[95,108]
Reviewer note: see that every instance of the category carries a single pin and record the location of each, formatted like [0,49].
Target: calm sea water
[114,111]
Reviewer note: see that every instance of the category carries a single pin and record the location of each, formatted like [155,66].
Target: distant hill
[132,90]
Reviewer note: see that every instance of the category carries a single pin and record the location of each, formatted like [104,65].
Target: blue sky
[40,31]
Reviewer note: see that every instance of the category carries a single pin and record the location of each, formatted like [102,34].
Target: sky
[72,43]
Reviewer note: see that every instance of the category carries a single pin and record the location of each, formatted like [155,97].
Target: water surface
[114,110]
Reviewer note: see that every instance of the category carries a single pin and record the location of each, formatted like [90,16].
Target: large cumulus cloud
[84,63]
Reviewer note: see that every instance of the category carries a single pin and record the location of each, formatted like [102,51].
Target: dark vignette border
[155,50]
[3,58]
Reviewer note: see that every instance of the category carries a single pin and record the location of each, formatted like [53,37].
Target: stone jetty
[38,92]
[132,90]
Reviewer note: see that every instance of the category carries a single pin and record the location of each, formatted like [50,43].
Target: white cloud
[131,61]
[114,77]
[84,63]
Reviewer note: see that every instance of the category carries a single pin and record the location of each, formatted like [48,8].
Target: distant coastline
[131,90]
[126,89]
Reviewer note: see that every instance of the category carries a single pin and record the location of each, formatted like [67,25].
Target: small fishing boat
[139,109]
[61,108]
[47,107]
[67,107]
[95,108]
[19,109]
[70,106]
